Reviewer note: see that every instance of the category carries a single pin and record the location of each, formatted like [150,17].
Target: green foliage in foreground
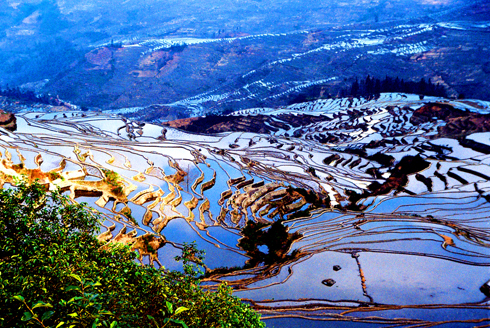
[53,273]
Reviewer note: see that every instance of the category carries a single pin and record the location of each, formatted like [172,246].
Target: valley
[331,159]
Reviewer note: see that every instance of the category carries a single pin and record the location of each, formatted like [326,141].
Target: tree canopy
[371,86]
[54,273]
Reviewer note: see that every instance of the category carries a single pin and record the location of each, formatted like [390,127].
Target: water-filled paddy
[408,256]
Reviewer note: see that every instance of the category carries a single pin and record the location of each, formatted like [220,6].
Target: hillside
[167,60]
[194,76]
[320,210]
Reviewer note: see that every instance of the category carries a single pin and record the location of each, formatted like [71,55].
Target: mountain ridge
[199,78]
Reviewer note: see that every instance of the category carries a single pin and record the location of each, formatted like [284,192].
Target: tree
[54,273]
[373,87]
[354,91]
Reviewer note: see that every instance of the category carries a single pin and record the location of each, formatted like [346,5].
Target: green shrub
[54,273]
[112,178]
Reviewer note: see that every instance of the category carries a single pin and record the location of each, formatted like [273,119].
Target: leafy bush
[111,177]
[53,273]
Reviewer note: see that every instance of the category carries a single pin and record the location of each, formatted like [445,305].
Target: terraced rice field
[386,220]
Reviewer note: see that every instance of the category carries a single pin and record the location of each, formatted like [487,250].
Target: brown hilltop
[459,123]
[8,121]
[181,123]
[217,124]
[248,123]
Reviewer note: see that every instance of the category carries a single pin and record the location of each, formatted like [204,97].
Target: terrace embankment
[396,181]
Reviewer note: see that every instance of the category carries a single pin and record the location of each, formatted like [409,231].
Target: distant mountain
[190,76]
[212,56]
